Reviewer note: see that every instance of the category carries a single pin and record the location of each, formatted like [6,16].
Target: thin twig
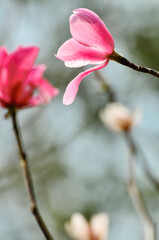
[131,162]
[112,97]
[106,87]
[122,60]
[144,163]
[28,178]
[135,195]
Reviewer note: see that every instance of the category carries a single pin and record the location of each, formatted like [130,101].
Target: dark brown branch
[28,178]
[122,60]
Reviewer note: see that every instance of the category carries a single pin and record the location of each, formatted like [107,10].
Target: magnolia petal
[3,71]
[117,117]
[99,225]
[19,62]
[24,57]
[78,227]
[21,95]
[45,92]
[75,54]
[87,28]
[23,92]
[36,72]
[21,84]
[4,99]
[33,92]
[3,56]
[136,117]
[72,88]
[4,80]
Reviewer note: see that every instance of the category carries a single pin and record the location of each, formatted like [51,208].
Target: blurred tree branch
[135,195]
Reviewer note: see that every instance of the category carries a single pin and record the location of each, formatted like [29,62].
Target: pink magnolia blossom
[91,43]
[21,83]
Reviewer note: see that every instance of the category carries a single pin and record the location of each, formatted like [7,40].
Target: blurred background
[78,164]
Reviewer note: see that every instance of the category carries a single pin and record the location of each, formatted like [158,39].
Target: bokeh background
[78,164]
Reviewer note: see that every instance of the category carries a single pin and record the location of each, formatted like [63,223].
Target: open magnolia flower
[80,229]
[21,83]
[119,118]
[91,43]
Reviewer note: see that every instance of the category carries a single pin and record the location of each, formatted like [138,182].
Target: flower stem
[135,195]
[122,60]
[26,170]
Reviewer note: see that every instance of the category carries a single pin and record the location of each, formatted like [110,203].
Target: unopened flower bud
[79,228]
[119,118]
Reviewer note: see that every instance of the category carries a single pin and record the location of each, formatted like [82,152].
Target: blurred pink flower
[80,229]
[21,83]
[91,44]
[119,118]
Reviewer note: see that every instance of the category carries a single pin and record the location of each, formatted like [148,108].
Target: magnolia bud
[119,118]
